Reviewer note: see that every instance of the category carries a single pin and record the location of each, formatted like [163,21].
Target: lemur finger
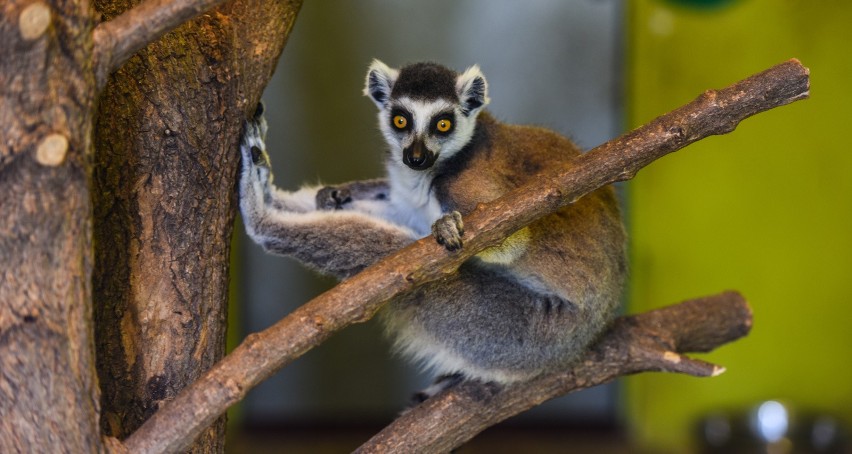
[457,218]
[448,230]
[252,145]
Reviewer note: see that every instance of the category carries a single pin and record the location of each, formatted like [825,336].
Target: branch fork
[118,39]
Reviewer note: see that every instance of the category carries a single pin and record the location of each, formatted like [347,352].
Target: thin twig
[652,341]
[116,40]
[357,299]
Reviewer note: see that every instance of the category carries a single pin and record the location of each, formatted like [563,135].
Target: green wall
[766,210]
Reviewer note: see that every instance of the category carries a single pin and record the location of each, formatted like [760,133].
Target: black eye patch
[401,120]
[442,124]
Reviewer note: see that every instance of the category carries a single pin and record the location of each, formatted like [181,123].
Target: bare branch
[651,341]
[358,299]
[116,40]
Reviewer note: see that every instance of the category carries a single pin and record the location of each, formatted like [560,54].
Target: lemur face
[427,112]
[423,130]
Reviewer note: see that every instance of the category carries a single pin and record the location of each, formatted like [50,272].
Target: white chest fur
[412,199]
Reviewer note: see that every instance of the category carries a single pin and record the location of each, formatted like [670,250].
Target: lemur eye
[400,122]
[444,125]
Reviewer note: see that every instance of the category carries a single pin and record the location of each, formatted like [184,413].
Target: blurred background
[766,210]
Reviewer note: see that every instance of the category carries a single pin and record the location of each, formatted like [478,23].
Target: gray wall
[554,63]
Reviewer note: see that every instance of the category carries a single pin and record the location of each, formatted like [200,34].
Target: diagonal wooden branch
[358,299]
[652,341]
[118,39]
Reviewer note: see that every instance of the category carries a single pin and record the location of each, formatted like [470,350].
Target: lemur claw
[448,230]
[333,198]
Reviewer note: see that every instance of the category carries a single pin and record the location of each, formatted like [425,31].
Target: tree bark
[48,386]
[127,33]
[168,126]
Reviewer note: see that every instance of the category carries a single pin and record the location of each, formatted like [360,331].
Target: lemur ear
[380,80]
[472,89]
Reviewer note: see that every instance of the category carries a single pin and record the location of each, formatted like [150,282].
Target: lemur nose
[417,156]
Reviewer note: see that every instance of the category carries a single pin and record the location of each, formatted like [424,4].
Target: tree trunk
[48,387]
[164,201]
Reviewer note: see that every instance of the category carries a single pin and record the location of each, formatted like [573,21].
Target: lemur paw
[332,198]
[440,384]
[448,230]
[253,142]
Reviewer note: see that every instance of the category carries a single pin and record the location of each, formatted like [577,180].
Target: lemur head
[427,112]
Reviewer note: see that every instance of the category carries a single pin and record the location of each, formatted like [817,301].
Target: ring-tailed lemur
[532,304]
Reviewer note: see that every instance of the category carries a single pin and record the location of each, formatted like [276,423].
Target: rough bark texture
[119,38]
[48,388]
[651,341]
[358,299]
[164,177]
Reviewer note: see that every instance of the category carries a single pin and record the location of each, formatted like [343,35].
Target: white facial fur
[378,86]
[422,113]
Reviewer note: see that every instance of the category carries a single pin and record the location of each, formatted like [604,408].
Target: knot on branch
[677,134]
